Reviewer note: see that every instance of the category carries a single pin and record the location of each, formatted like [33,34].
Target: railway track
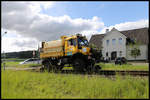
[111,72]
[101,72]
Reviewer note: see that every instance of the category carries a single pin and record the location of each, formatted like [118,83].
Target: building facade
[116,43]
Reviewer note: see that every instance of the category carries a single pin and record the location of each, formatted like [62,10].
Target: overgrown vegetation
[23,84]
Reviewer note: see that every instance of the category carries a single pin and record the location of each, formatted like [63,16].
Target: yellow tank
[52,49]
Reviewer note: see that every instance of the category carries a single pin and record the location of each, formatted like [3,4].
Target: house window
[113,41]
[120,53]
[120,40]
[107,42]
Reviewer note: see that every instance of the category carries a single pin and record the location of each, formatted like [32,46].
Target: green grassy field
[112,66]
[16,64]
[23,84]
[17,59]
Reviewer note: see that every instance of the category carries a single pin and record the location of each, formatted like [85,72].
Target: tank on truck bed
[52,49]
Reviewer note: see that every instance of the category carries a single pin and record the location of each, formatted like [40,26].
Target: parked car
[31,61]
[121,60]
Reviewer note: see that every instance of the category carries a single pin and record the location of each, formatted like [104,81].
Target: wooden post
[33,54]
[4,65]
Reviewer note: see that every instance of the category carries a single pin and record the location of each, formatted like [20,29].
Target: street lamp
[4,54]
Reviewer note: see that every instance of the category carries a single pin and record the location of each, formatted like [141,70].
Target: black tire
[47,66]
[57,68]
[120,63]
[97,68]
[90,68]
[78,65]
[60,68]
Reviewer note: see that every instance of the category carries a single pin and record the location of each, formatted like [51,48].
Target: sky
[29,23]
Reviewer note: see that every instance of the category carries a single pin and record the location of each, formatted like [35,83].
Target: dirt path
[15,68]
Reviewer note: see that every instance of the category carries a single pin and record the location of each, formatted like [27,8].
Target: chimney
[107,30]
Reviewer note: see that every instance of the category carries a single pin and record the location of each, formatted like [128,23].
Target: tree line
[21,54]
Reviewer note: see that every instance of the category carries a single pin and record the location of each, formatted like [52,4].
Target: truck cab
[76,44]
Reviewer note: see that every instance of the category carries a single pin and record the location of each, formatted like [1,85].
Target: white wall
[143,50]
[114,34]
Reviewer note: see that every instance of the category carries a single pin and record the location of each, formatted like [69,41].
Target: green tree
[96,52]
[135,52]
[134,45]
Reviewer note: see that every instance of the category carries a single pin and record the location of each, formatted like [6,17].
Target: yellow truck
[73,50]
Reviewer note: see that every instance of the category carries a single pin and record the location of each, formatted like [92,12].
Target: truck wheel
[47,66]
[59,68]
[97,68]
[90,68]
[78,65]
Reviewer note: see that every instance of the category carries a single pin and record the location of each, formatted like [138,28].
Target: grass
[23,84]
[16,64]
[17,59]
[111,66]
[105,66]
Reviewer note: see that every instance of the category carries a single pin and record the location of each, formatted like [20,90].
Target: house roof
[141,35]
[96,40]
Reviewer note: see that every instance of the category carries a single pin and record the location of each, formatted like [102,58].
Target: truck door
[70,47]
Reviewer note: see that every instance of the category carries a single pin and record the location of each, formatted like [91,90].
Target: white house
[115,43]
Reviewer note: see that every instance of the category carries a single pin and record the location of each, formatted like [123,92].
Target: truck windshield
[82,42]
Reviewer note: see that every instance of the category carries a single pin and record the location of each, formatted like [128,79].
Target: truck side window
[69,42]
[72,42]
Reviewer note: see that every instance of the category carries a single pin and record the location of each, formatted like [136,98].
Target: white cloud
[30,25]
[89,33]
[128,25]
[11,44]
[26,19]
[29,22]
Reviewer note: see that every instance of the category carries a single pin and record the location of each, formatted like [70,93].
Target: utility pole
[33,53]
